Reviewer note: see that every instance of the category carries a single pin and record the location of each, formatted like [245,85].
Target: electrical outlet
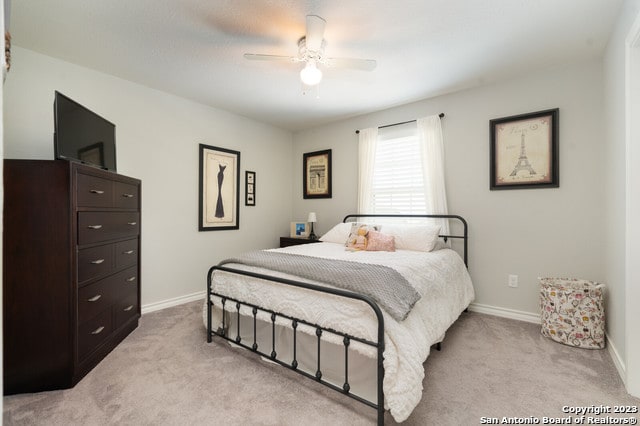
[513,281]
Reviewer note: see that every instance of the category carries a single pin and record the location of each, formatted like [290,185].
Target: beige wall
[531,233]
[157,137]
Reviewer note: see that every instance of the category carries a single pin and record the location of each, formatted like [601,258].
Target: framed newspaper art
[219,199]
[316,174]
[524,151]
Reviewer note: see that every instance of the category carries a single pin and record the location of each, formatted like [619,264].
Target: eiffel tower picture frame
[524,151]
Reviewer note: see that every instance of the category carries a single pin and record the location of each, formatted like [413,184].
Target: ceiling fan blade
[315,32]
[259,57]
[358,64]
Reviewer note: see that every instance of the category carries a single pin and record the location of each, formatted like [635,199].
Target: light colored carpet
[165,373]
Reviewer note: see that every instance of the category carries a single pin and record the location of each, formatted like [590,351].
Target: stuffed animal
[361,239]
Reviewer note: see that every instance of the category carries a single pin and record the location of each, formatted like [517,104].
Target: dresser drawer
[126,196]
[126,308]
[94,332]
[94,191]
[94,261]
[126,253]
[95,298]
[94,227]
[125,280]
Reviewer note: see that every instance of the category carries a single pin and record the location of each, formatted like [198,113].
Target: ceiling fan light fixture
[311,47]
[310,74]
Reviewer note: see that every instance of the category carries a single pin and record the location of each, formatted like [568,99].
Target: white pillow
[414,237]
[440,244]
[338,234]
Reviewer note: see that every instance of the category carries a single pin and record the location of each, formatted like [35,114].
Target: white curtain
[366,161]
[432,151]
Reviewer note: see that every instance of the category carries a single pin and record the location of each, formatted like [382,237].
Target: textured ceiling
[424,48]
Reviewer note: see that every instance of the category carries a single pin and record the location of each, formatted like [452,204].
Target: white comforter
[439,276]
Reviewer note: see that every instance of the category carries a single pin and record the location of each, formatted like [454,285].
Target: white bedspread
[440,277]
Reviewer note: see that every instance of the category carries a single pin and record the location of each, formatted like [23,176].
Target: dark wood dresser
[71,270]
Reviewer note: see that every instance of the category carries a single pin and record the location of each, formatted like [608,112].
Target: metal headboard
[463,237]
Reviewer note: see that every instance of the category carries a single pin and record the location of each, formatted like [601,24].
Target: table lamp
[312,219]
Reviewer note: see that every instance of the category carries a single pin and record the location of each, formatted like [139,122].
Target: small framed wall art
[219,199]
[316,174]
[249,188]
[524,151]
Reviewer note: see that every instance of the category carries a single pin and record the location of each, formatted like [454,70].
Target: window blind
[398,184]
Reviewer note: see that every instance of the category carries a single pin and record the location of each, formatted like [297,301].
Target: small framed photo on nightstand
[299,230]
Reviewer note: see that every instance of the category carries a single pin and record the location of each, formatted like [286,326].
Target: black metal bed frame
[346,338]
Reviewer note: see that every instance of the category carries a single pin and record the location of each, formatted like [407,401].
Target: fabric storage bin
[572,311]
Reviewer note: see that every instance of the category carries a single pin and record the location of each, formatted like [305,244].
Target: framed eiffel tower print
[524,151]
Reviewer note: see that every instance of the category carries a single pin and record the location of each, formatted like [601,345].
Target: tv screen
[82,135]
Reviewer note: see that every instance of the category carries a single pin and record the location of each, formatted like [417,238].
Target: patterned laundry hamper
[572,312]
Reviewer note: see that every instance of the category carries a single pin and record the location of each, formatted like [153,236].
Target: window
[398,182]
[401,169]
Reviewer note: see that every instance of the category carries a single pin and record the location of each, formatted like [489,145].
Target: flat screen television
[82,135]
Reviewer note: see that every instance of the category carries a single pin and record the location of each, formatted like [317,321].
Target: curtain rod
[397,124]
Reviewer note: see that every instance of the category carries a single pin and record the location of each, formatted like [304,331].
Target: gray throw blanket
[383,284]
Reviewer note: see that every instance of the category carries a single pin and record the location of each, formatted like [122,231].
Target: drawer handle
[128,252]
[98,330]
[132,223]
[127,195]
[94,298]
[131,279]
[94,226]
[128,308]
[96,191]
[97,261]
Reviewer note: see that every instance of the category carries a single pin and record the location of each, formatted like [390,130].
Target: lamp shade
[312,217]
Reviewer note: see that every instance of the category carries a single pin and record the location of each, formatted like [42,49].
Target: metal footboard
[273,353]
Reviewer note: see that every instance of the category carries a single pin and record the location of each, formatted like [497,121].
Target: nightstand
[288,241]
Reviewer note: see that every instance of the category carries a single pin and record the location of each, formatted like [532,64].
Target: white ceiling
[424,48]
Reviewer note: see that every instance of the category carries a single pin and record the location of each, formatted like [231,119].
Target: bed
[357,340]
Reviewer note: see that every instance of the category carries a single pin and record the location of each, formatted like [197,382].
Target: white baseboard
[617,360]
[505,313]
[151,307]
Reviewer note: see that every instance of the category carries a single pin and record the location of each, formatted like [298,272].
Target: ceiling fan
[311,52]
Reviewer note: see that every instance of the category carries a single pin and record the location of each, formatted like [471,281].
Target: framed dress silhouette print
[219,199]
